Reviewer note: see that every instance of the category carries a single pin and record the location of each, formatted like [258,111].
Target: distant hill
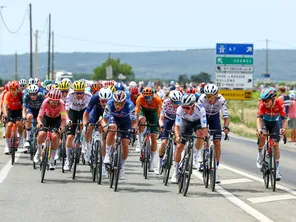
[165,64]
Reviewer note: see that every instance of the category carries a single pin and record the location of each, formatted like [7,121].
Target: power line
[43,30]
[22,23]
[283,44]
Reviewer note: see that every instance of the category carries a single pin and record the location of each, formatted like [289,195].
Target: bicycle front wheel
[76,159]
[212,167]
[44,162]
[188,171]
[99,164]
[272,170]
[117,167]
[206,171]
[168,164]
[13,147]
[265,169]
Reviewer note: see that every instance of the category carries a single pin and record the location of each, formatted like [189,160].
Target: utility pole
[36,55]
[266,70]
[31,42]
[16,66]
[52,58]
[49,37]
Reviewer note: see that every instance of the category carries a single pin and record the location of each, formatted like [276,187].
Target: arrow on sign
[219,60]
[249,49]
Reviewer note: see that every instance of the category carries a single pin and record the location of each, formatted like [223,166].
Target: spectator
[292,118]
[284,97]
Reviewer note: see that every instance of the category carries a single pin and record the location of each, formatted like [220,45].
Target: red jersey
[14,103]
[274,113]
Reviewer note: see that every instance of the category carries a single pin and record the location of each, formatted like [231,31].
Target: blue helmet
[119,86]
[268,93]
[197,94]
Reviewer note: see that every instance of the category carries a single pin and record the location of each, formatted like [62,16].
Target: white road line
[236,201]
[5,170]
[256,200]
[232,181]
[259,179]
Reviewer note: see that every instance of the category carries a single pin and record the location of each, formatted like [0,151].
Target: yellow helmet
[79,86]
[112,88]
[64,85]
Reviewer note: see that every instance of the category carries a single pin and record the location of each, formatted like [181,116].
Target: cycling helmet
[37,81]
[64,85]
[119,96]
[119,86]
[67,80]
[188,100]
[172,88]
[191,90]
[46,82]
[175,96]
[105,93]
[33,89]
[55,94]
[32,81]
[268,93]
[6,87]
[134,90]
[79,85]
[147,91]
[132,84]
[23,82]
[14,85]
[50,87]
[112,88]
[211,89]
[95,87]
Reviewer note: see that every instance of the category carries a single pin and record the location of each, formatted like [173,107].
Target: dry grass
[243,130]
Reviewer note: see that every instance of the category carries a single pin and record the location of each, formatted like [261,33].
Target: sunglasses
[64,91]
[177,102]
[79,93]
[52,102]
[265,100]
[118,104]
[148,97]
[211,96]
[186,107]
[33,94]
[103,101]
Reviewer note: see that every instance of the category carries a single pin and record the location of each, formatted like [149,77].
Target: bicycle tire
[111,169]
[44,161]
[118,166]
[146,159]
[33,148]
[76,159]
[188,171]
[100,162]
[93,160]
[272,170]
[212,167]
[265,169]
[63,151]
[12,144]
[205,172]
[181,176]
[168,164]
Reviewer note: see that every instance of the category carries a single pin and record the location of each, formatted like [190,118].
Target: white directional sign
[234,80]
[237,69]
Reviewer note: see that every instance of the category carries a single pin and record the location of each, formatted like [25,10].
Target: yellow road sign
[230,94]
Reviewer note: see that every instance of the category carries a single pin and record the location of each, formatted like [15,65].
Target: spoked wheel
[44,162]
[63,152]
[117,166]
[76,159]
[265,169]
[188,171]
[212,167]
[99,164]
[272,170]
[12,144]
[206,171]
[111,168]
[181,176]
[168,165]
[33,145]
[94,161]
[146,159]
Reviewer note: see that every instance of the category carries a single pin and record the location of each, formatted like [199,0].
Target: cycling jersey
[51,112]
[127,111]
[213,109]
[73,103]
[94,101]
[198,114]
[168,109]
[33,104]
[153,106]
[272,114]
[13,103]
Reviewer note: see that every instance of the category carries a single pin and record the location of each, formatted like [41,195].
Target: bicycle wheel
[188,171]
[265,169]
[146,161]
[33,144]
[13,144]
[117,167]
[212,167]
[93,160]
[168,164]
[181,175]
[272,169]
[99,164]
[111,167]
[63,151]
[206,171]
[76,159]
[44,161]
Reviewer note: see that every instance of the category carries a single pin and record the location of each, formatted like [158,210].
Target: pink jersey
[292,110]
[47,110]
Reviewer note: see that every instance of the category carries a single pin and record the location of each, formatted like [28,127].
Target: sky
[148,25]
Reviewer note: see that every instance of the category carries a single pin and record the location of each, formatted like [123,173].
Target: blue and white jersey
[28,103]
[94,102]
[128,110]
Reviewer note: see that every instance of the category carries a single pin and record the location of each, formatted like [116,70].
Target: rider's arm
[5,105]
[138,107]
[203,121]
[261,112]
[160,121]
[85,118]
[178,123]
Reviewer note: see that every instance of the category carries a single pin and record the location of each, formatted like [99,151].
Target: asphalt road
[240,197]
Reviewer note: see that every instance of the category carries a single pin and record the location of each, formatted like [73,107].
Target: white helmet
[32,81]
[211,89]
[188,100]
[23,82]
[132,84]
[33,89]
[105,93]
[175,96]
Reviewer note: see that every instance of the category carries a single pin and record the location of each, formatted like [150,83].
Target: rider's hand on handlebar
[39,125]
[283,131]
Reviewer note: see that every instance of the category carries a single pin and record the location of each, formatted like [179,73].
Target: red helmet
[191,90]
[134,90]
[178,88]
[202,85]
[95,87]
[55,94]
[7,86]
[14,85]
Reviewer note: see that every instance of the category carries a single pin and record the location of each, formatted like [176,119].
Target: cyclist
[93,112]
[23,84]
[94,87]
[269,111]
[64,87]
[76,104]
[134,94]
[52,114]
[119,113]
[122,87]
[31,105]
[190,118]
[166,121]
[13,110]
[213,103]
[148,107]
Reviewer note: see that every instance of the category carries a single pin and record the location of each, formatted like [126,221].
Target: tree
[201,77]
[117,68]
[183,78]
